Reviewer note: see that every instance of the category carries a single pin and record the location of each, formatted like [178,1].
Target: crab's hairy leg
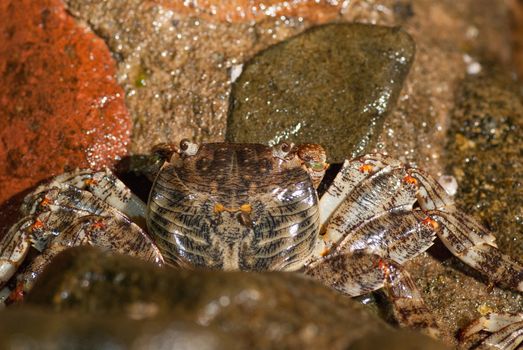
[115,233]
[365,189]
[507,330]
[507,338]
[103,184]
[351,174]
[14,247]
[491,322]
[359,273]
[399,236]
[465,237]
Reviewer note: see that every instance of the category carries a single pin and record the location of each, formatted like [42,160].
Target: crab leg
[64,212]
[465,237]
[14,247]
[114,233]
[507,330]
[104,185]
[364,189]
[359,273]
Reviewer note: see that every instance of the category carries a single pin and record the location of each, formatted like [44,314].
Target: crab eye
[282,149]
[285,147]
[188,148]
[184,144]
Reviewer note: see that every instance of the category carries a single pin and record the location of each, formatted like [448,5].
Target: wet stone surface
[486,155]
[269,310]
[39,328]
[174,68]
[257,10]
[60,106]
[331,85]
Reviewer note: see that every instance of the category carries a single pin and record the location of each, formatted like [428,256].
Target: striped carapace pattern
[234,206]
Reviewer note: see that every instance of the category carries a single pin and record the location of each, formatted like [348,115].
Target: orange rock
[317,11]
[60,106]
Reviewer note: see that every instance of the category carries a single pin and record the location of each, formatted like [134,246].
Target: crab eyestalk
[188,148]
[313,157]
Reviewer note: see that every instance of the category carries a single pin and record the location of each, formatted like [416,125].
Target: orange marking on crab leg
[38,224]
[98,225]
[366,168]
[428,221]
[45,202]
[383,267]
[325,252]
[90,182]
[410,180]
[17,294]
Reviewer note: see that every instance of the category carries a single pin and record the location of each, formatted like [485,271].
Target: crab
[253,207]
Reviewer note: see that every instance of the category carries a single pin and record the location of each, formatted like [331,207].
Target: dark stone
[35,328]
[485,154]
[261,310]
[333,85]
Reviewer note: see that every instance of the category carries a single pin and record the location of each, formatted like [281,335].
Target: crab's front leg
[464,236]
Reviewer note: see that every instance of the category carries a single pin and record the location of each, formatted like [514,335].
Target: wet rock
[332,85]
[269,310]
[60,106]
[257,10]
[451,37]
[516,21]
[174,68]
[35,328]
[486,155]
[402,340]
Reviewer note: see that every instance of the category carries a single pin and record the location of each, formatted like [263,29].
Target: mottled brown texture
[175,69]
[486,155]
[60,106]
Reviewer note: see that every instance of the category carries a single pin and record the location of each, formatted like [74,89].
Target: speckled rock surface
[333,85]
[175,69]
[269,310]
[38,328]
[257,10]
[60,106]
[486,155]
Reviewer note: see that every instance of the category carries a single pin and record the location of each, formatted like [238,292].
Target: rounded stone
[332,85]
[259,310]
